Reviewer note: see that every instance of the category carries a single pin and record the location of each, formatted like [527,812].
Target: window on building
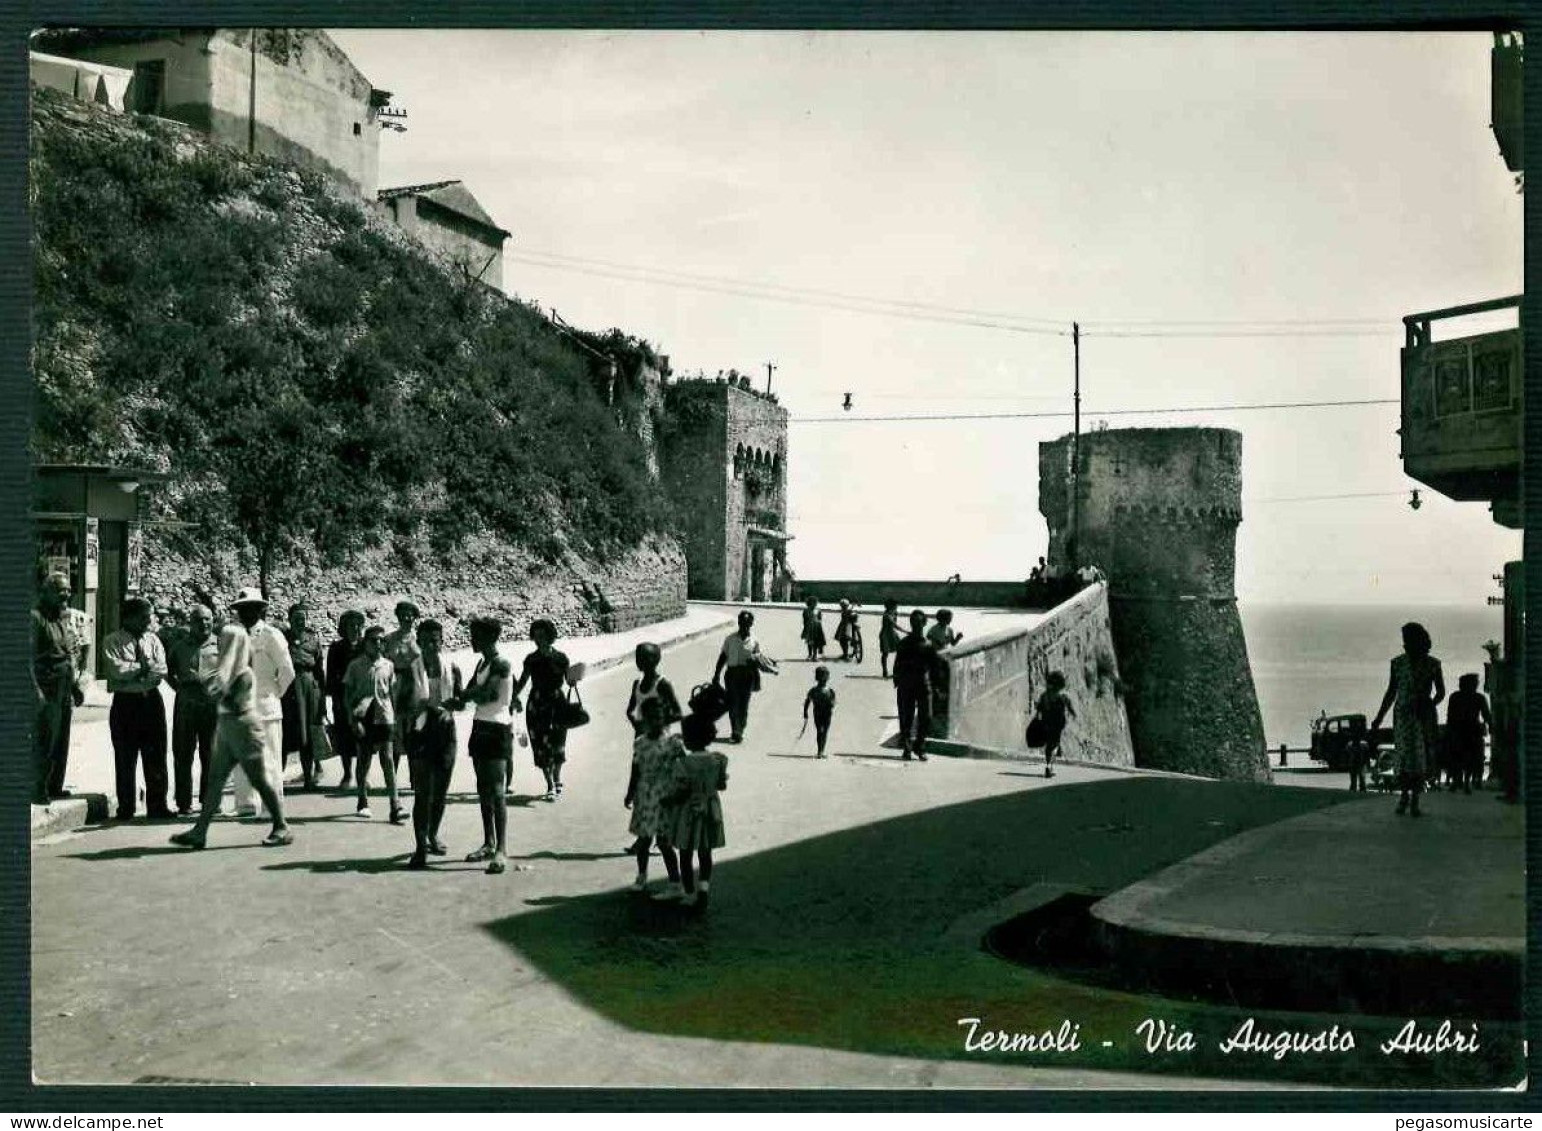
[148,87]
[357,129]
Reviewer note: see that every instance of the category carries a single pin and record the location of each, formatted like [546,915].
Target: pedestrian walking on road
[492,740]
[1053,709]
[693,812]
[136,664]
[651,685]
[888,635]
[821,701]
[272,673]
[304,703]
[240,739]
[56,667]
[654,754]
[914,677]
[371,694]
[194,713]
[546,671]
[813,630]
[1415,688]
[1467,718]
[431,740]
[847,631]
[739,665]
[1358,747]
[342,652]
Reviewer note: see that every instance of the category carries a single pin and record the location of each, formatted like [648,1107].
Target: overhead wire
[1089,413]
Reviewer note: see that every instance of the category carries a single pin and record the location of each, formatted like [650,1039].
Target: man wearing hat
[272,673]
[136,664]
[190,658]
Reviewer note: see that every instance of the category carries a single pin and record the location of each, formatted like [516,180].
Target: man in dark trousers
[738,673]
[192,656]
[55,677]
[136,664]
[913,679]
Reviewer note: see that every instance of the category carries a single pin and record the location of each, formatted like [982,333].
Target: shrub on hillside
[313,383]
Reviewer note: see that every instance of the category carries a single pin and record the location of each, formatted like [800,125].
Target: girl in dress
[1053,709]
[654,754]
[813,629]
[843,628]
[1414,688]
[696,814]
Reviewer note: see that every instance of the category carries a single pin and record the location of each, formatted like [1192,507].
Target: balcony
[1461,408]
[1505,97]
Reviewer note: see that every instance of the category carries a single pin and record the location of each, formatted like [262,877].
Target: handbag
[1036,735]
[709,701]
[571,712]
[321,745]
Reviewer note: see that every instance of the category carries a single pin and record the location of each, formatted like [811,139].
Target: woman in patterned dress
[1415,687]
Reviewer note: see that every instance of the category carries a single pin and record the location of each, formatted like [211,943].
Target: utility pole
[769,370]
[1076,443]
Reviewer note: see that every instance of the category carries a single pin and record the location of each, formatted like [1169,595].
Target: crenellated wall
[1156,509]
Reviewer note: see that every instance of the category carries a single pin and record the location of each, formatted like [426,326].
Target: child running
[430,735]
[372,714]
[1053,708]
[492,740]
[821,700]
[813,630]
[654,754]
[696,814]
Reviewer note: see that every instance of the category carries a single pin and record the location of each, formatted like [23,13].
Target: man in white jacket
[272,673]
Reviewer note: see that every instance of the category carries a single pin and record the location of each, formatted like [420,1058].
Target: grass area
[838,942]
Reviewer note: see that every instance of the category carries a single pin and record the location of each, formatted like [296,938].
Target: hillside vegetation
[315,384]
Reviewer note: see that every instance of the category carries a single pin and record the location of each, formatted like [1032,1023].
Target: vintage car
[1331,736]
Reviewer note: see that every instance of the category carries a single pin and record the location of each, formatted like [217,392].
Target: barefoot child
[1053,708]
[696,818]
[654,754]
[370,691]
[492,740]
[821,698]
[813,629]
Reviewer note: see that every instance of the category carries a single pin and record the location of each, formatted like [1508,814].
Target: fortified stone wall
[993,682]
[724,459]
[1158,514]
[640,587]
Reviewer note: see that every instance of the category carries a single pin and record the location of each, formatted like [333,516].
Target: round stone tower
[1156,509]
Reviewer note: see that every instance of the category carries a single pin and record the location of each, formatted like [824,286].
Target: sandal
[278,838]
[496,866]
[481,854]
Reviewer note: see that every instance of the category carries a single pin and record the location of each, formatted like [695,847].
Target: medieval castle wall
[1157,510]
[724,462]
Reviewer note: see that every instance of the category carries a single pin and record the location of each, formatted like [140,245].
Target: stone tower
[723,457]
[1157,510]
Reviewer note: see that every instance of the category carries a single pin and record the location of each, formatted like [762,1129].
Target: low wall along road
[993,681]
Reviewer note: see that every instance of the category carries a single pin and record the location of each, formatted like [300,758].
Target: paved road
[328,963]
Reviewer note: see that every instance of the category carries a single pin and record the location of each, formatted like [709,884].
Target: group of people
[1415,689]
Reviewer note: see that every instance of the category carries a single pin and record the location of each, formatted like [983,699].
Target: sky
[932,211]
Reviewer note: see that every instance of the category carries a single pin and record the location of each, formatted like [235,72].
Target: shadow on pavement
[850,940]
[366,865]
[587,856]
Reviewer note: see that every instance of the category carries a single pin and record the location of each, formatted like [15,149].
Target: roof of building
[451,195]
